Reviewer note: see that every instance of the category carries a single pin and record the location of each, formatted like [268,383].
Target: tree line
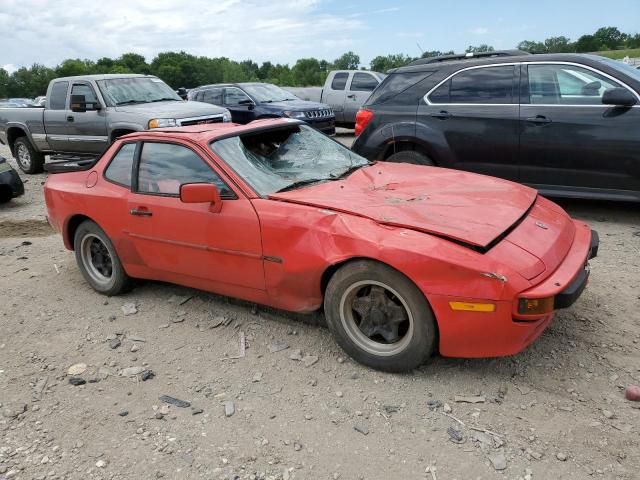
[181,69]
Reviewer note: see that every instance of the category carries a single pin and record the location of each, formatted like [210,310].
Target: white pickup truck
[345,91]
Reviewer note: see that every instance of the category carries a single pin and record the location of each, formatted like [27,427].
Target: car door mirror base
[201,193]
[619,97]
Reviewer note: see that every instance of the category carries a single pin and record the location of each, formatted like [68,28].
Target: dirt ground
[555,411]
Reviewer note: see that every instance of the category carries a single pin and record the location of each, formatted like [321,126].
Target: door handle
[351,96]
[442,115]
[70,118]
[143,212]
[539,120]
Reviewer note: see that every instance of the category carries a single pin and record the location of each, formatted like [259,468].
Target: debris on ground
[278,347]
[77,381]
[470,399]
[632,392]
[229,408]
[77,369]
[455,435]
[499,461]
[129,309]
[362,428]
[175,401]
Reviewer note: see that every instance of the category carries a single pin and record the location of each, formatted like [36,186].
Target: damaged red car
[406,260]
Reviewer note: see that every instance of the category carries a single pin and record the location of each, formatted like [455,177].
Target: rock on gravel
[498,461]
[632,392]
[77,369]
[229,409]
[129,309]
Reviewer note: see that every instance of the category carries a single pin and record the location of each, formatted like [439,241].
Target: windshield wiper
[301,183]
[348,171]
[165,99]
[129,102]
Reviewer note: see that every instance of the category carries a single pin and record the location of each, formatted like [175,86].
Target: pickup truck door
[55,122]
[360,88]
[334,92]
[86,131]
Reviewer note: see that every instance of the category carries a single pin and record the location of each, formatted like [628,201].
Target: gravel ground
[555,411]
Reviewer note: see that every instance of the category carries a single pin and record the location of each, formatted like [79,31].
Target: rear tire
[98,261]
[379,317]
[28,159]
[410,156]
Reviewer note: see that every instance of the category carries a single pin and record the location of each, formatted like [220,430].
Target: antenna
[421,50]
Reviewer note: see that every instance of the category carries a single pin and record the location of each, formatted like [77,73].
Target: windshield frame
[219,158]
[111,102]
[622,67]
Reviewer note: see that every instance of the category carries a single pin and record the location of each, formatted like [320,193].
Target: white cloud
[276,30]
[479,30]
[9,67]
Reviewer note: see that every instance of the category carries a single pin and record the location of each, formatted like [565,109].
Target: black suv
[255,101]
[566,124]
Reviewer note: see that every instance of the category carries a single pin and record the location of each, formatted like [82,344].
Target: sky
[281,31]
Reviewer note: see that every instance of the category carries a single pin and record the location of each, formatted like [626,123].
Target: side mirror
[79,104]
[620,97]
[201,193]
[248,103]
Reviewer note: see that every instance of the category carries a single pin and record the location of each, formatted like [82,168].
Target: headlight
[162,123]
[298,115]
[226,116]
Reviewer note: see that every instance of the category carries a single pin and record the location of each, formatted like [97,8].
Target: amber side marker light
[472,307]
[535,306]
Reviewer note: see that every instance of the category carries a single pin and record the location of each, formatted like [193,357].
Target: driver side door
[239,104]
[185,242]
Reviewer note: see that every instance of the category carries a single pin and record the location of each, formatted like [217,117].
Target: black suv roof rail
[470,55]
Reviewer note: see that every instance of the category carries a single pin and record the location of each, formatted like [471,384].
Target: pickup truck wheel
[410,156]
[28,159]
[98,260]
[379,317]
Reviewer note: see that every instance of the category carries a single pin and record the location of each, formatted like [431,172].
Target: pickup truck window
[166,166]
[339,81]
[119,169]
[363,82]
[86,90]
[58,97]
[129,91]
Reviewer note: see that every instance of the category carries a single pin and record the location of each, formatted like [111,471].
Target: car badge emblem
[542,225]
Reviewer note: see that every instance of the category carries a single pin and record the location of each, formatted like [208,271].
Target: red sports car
[405,259]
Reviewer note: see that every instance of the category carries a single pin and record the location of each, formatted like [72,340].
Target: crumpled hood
[172,109]
[466,207]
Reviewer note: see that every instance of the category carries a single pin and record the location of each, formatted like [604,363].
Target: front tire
[410,156]
[379,317]
[98,260]
[28,159]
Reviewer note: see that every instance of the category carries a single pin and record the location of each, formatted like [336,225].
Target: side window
[489,85]
[566,85]
[233,96]
[86,90]
[119,169]
[339,81]
[213,95]
[166,166]
[363,82]
[58,97]
[199,96]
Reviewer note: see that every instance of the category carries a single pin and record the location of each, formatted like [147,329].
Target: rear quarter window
[119,169]
[395,84]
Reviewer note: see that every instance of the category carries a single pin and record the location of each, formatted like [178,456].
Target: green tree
[133,62]
[532,46]
[4,83]
[435,53]
[75,66]
[384,63]
[479,49]
[306,72]
[347,61]
[633,41]
[587,43]
[609,38]
[558,45]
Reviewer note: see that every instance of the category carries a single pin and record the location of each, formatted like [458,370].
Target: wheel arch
[119,132]
[409,144]
[13,133]
[70,228]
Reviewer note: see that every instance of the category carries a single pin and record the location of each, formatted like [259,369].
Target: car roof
[477,61]
[106,76]
[214,131]
[237,84]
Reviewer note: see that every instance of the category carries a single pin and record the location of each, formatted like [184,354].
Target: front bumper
[504,331]
[13,181]
[328,127]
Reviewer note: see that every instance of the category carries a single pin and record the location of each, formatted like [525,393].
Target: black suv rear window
[394,84]
[491,85]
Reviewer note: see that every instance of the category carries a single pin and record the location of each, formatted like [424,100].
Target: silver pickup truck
[84,115]
[345,91]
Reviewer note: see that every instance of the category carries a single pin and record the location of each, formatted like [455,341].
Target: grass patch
[620,54]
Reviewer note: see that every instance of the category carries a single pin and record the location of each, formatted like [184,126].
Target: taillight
[363,117]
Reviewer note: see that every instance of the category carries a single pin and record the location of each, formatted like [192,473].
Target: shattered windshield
[286,158]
